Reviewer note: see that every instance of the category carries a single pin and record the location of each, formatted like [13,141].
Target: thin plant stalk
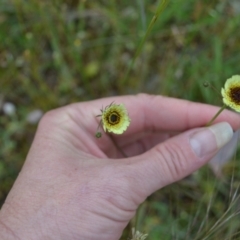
[216,115]
[160,8]
[117,146]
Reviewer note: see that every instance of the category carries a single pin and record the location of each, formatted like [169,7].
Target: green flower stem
[116,145]
[137,217]
[159,10]
[216,115]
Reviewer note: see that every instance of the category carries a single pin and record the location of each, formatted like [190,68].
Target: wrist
[15,225]
[6,229]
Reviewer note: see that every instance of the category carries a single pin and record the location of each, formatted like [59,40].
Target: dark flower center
[235,95]
[113,118]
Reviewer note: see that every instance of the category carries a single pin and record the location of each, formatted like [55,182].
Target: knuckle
[49,115]
[174,159]
[49,119]
[148,98]
[56,115]
[115,192]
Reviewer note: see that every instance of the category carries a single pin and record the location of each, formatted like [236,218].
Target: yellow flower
[115,118]
[231,93]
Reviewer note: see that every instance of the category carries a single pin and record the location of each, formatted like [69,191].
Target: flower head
[231,93]
[115,118]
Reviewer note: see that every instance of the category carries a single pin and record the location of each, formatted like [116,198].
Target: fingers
[143,143]
[179,156]
[157,113]
[169,114]
[148,113]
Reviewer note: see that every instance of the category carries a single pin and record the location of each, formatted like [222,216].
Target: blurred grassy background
[53,53]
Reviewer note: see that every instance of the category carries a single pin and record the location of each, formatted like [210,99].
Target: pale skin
[75,186]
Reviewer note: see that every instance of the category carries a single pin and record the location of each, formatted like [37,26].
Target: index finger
[151,113]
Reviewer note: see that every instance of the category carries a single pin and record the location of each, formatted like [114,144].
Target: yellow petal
[115,119]
[231,92]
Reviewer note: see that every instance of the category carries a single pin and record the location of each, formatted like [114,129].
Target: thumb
[180,156]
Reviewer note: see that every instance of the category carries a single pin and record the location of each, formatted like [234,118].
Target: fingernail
[210,139]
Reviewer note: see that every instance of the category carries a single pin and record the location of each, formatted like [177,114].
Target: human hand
[75,186]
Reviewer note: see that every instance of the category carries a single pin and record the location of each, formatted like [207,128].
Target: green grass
[53,53]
